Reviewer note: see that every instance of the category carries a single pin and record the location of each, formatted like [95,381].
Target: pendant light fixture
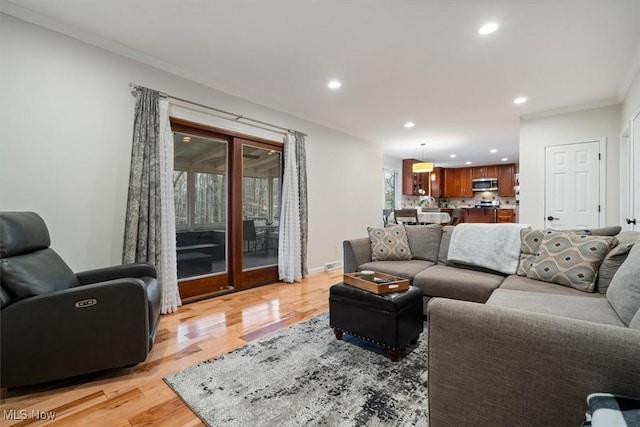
[422,166]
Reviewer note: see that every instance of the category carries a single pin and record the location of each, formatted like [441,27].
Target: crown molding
[570,109]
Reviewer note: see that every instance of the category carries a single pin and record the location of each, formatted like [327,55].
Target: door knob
[631,221]
[550,218]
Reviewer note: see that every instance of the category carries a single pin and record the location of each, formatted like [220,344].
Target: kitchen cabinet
[457,182]
[489,171]
[507,180]
[437,182]
[412,183]
[449,183]
[505,215]
[481,215]
[465,182]
[409,179]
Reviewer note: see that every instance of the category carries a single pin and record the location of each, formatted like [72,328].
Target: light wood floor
[196,332]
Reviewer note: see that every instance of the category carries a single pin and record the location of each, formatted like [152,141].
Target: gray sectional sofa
[505,349]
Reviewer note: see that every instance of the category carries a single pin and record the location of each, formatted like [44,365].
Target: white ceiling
[398,60]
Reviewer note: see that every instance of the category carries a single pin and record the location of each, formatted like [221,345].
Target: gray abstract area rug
[304,376]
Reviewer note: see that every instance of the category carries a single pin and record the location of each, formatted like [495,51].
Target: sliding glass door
[227,200]
[260,206]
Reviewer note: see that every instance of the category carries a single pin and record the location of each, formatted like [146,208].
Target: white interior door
[626,179]
[572,185]
[633,220]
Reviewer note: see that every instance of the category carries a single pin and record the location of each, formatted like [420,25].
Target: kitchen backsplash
[505,202]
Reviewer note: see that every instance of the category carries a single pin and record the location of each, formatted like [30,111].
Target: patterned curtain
[292,244]
[147,234]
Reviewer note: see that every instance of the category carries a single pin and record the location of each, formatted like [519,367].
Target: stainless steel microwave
[484,184]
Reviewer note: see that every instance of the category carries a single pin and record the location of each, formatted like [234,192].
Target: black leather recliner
[55,324]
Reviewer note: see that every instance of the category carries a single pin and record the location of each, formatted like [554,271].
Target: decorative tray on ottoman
[382,284]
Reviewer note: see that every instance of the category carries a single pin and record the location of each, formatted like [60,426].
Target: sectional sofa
[518,347]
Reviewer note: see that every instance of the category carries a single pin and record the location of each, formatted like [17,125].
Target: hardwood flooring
[196,332]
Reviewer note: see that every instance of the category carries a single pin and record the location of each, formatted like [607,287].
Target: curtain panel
[292,244]
[149,234]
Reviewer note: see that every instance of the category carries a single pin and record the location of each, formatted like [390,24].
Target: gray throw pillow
[531,240]
[615,258]
[389,244]
[443,252]
[424,241]
[624,291]
[570,259]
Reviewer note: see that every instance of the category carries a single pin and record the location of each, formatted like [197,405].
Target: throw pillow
[389,244]
[624,291]
[424,241]
[531,240]
[615,258]
[570,259]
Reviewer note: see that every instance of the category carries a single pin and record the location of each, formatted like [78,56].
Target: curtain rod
[236,117]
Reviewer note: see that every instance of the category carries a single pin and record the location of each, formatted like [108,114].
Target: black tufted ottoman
[392,320]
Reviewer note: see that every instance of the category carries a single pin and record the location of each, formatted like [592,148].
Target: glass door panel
[261,171]
[201,194]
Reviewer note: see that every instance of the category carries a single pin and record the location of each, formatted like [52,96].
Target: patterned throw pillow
[570,259]
[531,240]
[389,244]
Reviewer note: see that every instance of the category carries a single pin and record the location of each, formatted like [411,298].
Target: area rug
[304,376]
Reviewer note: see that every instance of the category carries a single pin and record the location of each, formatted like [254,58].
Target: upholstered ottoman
[392,320]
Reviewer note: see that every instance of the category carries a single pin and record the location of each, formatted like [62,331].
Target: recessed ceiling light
[467,163]
[493,150]
[334,84]
[504,159]
[453,156]
[520,100]
[409,125]
[488,28]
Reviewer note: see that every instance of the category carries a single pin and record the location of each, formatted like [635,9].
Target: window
[180,197]
[256,203]
[210,198]
[390,189]
[200,182]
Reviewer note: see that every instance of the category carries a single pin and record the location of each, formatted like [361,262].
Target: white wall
[66,116]
[537,133]
[631,102]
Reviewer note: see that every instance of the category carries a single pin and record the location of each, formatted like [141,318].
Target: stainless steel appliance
[489,204]
[484,184]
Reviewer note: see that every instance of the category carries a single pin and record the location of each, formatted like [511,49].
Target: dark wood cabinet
[457,182]
[505,215]
[489,171]
[409,184]
[465,182]
[437,182]
[449,178]
[412,183]
[507,180]
[480,215]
